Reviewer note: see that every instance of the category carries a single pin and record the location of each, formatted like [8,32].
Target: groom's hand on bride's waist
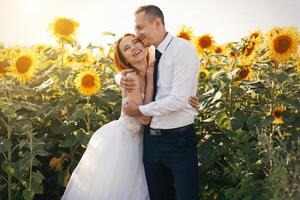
[131,109]
[127,82]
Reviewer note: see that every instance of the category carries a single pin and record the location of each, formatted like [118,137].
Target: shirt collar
[164,44]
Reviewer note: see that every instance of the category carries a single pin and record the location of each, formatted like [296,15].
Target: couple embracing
[150,151]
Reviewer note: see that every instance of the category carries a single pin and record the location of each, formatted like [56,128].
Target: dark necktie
[155,72]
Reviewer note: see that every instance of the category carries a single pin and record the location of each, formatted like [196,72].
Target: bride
[112,166]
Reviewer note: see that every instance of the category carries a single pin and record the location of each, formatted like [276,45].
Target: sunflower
[57,163]
[245,72]
[277,114]
[231,51]
[64,29]
[218,49]
[204,43]
[185,32]
[23,66]
[203,73]
[3,67]
[250,52]
[255,39]
[88,82]
[283,43]
[257,36]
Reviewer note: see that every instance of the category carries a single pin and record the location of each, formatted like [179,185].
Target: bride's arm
[148,94]
[136,98]
[149,84]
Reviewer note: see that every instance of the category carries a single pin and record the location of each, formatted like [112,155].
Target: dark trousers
[171,168]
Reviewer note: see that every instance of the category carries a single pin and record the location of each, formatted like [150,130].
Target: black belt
[159,132]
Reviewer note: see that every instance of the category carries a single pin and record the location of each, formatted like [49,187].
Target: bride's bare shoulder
[132,74]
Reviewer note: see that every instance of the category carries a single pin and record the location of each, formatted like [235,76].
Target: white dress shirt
[177,81]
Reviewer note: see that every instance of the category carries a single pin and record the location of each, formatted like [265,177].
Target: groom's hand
[127,83]
[131,109]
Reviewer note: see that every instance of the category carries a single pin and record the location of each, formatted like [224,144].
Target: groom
[170,154]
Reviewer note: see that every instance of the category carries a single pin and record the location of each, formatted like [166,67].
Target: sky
[25,22]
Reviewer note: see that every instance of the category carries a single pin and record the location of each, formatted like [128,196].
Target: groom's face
[146,29]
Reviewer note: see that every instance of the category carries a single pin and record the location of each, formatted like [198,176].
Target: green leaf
[37,177]
[2,187]
[83,137]
[5,144]
[254,122]
[222,120]
[27,194]
[36,187]
[41,152]
[22,164]
[69,142]
[217,96]
[238,120]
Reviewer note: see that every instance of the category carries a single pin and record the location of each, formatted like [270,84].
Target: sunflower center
[23,64]
[202,75]
[88,81]
[254,35]
[3,65]
[218,50]
[64,27]
[243,73]
[282,43]
[277,114]
[205,42]
[232,54]
[249,50]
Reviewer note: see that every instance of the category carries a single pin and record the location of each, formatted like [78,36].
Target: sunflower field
[53,98]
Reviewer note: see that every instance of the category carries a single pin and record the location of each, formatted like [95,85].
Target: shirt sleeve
[185,73]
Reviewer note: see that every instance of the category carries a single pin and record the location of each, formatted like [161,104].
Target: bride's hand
[151,61]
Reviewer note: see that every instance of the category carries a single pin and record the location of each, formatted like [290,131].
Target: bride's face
[133,51]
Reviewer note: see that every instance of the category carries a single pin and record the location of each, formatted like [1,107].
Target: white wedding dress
[111,167]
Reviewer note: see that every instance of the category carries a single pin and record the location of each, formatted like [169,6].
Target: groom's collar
[165,43]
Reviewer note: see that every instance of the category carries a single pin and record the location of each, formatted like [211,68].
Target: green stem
[103,75]
[272,108]
[9,177]
[4,122]
[231,101]
[72,156]
[31,159]
[88,121]
[9,152]
[62,53]
[4,156]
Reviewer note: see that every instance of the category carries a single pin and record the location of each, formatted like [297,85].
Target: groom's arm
[184,82]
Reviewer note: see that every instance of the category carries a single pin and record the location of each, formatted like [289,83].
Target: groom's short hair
[152,12]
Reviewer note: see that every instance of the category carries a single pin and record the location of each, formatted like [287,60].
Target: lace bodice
[130,123]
